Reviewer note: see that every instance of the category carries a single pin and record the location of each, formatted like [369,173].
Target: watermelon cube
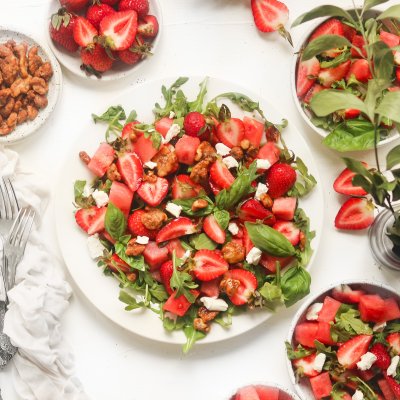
[321,385]
[386,390]
[269,262]
[253,130]
[185,149]
[372,308]
[121,196]
[102,159]
[154,255]
[284,208]
[267,393]
[305,333]
[178,305]
[324,333]
[392,310]
[346,294]
[329,310]
[270,151]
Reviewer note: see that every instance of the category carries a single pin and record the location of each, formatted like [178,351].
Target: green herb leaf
[340,59]
[192,336]
[134,262]
[305,184]
[272,295]
[303,222]
[299,352]
[186,205]
[197,105]
[391,12]
[202,241]
[182,282]
[222,217]
[323,11]
[390,106]
[79,186]
[112,116]
[368,4]
[115,221]
[131,117]
[131,302]
[383,60]
[369,393]
[375,91]
[393,157]
[337,392]
[347,325]
[295,284]
[324,43]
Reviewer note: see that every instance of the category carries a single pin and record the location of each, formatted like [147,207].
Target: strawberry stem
[285,34]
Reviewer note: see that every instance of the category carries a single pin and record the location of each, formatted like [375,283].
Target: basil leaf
[222,217]
[202,241]
[192,336]
[186,205]
[134,262]
[299,352]
[295,284]
[393,157]
[372,3]
[115,221]
[391,12]
[390,106]
[269,240]
[323,43]
[323,11]
[79,186]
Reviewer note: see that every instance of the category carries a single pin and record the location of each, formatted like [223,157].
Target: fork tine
[13,198]
[30,216]
[4,200]
[9,204]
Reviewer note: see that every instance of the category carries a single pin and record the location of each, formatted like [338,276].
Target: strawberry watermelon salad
[261,392]
[348,346]
[196,213]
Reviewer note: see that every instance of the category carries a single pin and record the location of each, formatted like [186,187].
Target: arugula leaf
[392,327]
[305,184]
[202,241]
[225,318]
[80,199]
[182,282]
[112,116]
[222,217]
[131,117]
[323,43]
[192,336]
[136,262]
[303,222]
[347,325]
[299,352]
[369,393]
[115,221]
[131,302]
[295,284]
[186,205]
[337,392]
[197,105]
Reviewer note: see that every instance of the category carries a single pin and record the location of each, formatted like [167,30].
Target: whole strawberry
[140,6]
[61,29]
[148,27]
[97,12]
[194,124]
[95,59]
[74,5]
[280,179]
[136,52]
[110,2]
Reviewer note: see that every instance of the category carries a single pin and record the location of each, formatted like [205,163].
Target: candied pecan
[113,173]
[8,108]
[134,249]
[245,144]
[20,49]
[251,152]
[32,112]
[229,286]
[39,85]
[17,105]
[200,170]
[4,129]
[272,134]
[205,150]
[206,315]
[199,204]
[22,116]
[8,64]
[266,200]
[20,86]
[4,95]
[12,120]
[237,153]
[167,161]
[131,276]
[40,101]
[150,177]
[303,241]
[84,157]
[233,252]
[200,325]
[45,71]
[34,60]
[153,218]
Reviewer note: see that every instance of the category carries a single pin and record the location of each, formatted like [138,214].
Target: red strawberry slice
[346,294]
[178,305]
[247,393]
[121,196]
[351,113]
[148,27]
[280,179]
[140,6]
[269,15]
[331,27]
[96,12]
[91,220]
[210,288]
[131,169]
[116,264]
[270,393]
[284,208]
[372,308]
[153,193]
[329,310]
[360,70]
[166,271]
[316,88]
[390,39]
[209,265]
[358,43]
[392,310]
[269,262]
[253,131]
[305,365]
[231,132]
[136,226]
[154,255]
[289,230]
[355,214]
[368,374]
[184,188]
[213,230]
[305,333]
[270,151]
[119,29]
[327,76]
[307,72]
[349,32]
[246,241]
[394,386]
[175,245]
[394,341]
[83,31]
[176,228]
[382,355]
[247,286]
[220,175]
[214,187]
[252,210]
[102,159]
[162,126]
[386,390]
[344,184]
[185,149]
[321,385]
[350,353]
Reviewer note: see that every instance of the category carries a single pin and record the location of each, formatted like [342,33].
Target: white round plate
[103,291]
[26,129]
[72,61]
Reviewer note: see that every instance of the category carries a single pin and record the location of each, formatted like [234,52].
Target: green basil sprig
[295,284]
[115,221]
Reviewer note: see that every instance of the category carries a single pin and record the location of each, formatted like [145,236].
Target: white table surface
[200,37]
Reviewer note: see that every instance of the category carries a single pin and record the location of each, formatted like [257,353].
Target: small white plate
[72,61]
[26,129]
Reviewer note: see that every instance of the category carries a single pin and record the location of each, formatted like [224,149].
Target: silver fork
[8,200]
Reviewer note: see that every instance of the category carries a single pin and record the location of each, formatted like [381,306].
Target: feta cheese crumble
[150,164]
[358,395]
[174,209]
[222,150]
[254,255]
[214,304]
[186,255]
[95,247]
[313,311]
[171,114]
[233,228]
[142,240]
[366,361]
[391,371]
[263,164]
[87,191]
[319,362]
[172,132]
[230,162]
[261,189]
[100,197]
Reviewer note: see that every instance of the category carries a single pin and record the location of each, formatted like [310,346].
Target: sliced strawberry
[351,113]
[307,72]
[210,288]
[184,188]
[162,125]
[349,32]
[284,208]
[121,196]
[368,374]
[316,88]
[386,390]
[83,31]
[102,159]
[253,131]
[136,226]
[321,385]
[209,265]
[176,228]
[324,334]
[270,393]
[269,15]
[355,214]
[142,146]
[269,262]
[280,179]
[166,271]
[252,210]
[327,76]
[186,148]
[131,169]
[231,132]
[346,294]
[360,70]
[175,245]
[331,27]
[247,286]
[148,27]
[305,366]
[153,193]
[390,39]
[246,241]
[394,341]
[214,187]
[358,47]
[91,220]
[116,264]
[220,175]
[270,151]
[119,29]
[382,356]
[305,333]
[154,255]
[394,386]
[350,353]
[213,230]
[289,230]
[178,305]
[392,310]
[329,310]
[372,308]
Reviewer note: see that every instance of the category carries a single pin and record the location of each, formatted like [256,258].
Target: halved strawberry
[253,130]
[214,187]
[252,210]
[327,76]
[91,220]
[382,356]
[360,70]
[102,159]
[83,31]
[394,341]
[280,179]
[220,175]
[176,228]
[162,125]
[153,193]
[184,188]
[154,255]
[136,226]
[390,39]
[178,305]
[355,214]
[316,88]
[331,27]
[185,149]
[394,386]
[269,151]
[269,262]
[166,271]
[305,365]
[96,12]
[289,230]
[346,294]
[321,385]
[175,245]
[350,353]
[116,264]
[358,43]
[247,286]
[329,310]
[372,308]
[246,241]
[231,132]
[121,196]
[213,230]
[386,390]
[131,169]
[307,72]
[349,32]
[148,27]
[119,29]
[351,113]
[305,333]
[269,15]
[210,288]
[246,393]
[284,208]
[209,265]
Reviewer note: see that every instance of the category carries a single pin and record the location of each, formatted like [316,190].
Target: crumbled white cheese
[263,164]
[343,288]
[214,304]
[313,311]
[233,228]
[151,130]
[391,371]
[366,361]
[142,240]
[261,189]
[150,164]
[230,162]
[222,150]
[100,197]
[186,255]
[87,191]
[172,132]
[379,327]
[171,114]
[358,395]
[319,362]
[174,209]
[254,255]
[95,247]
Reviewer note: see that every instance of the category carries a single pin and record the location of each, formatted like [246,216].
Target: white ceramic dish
[321,132]
[272,385]
[303,387]
[103,291]
[72,61]
[26,129]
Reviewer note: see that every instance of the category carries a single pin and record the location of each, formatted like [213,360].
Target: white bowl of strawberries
[344,343]
[107,39]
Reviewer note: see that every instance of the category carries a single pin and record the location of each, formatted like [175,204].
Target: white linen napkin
[43,368]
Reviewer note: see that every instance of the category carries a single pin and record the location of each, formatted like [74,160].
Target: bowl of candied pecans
[30,83]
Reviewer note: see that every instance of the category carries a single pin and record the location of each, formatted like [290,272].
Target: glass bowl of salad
[344,342]
[263,391]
